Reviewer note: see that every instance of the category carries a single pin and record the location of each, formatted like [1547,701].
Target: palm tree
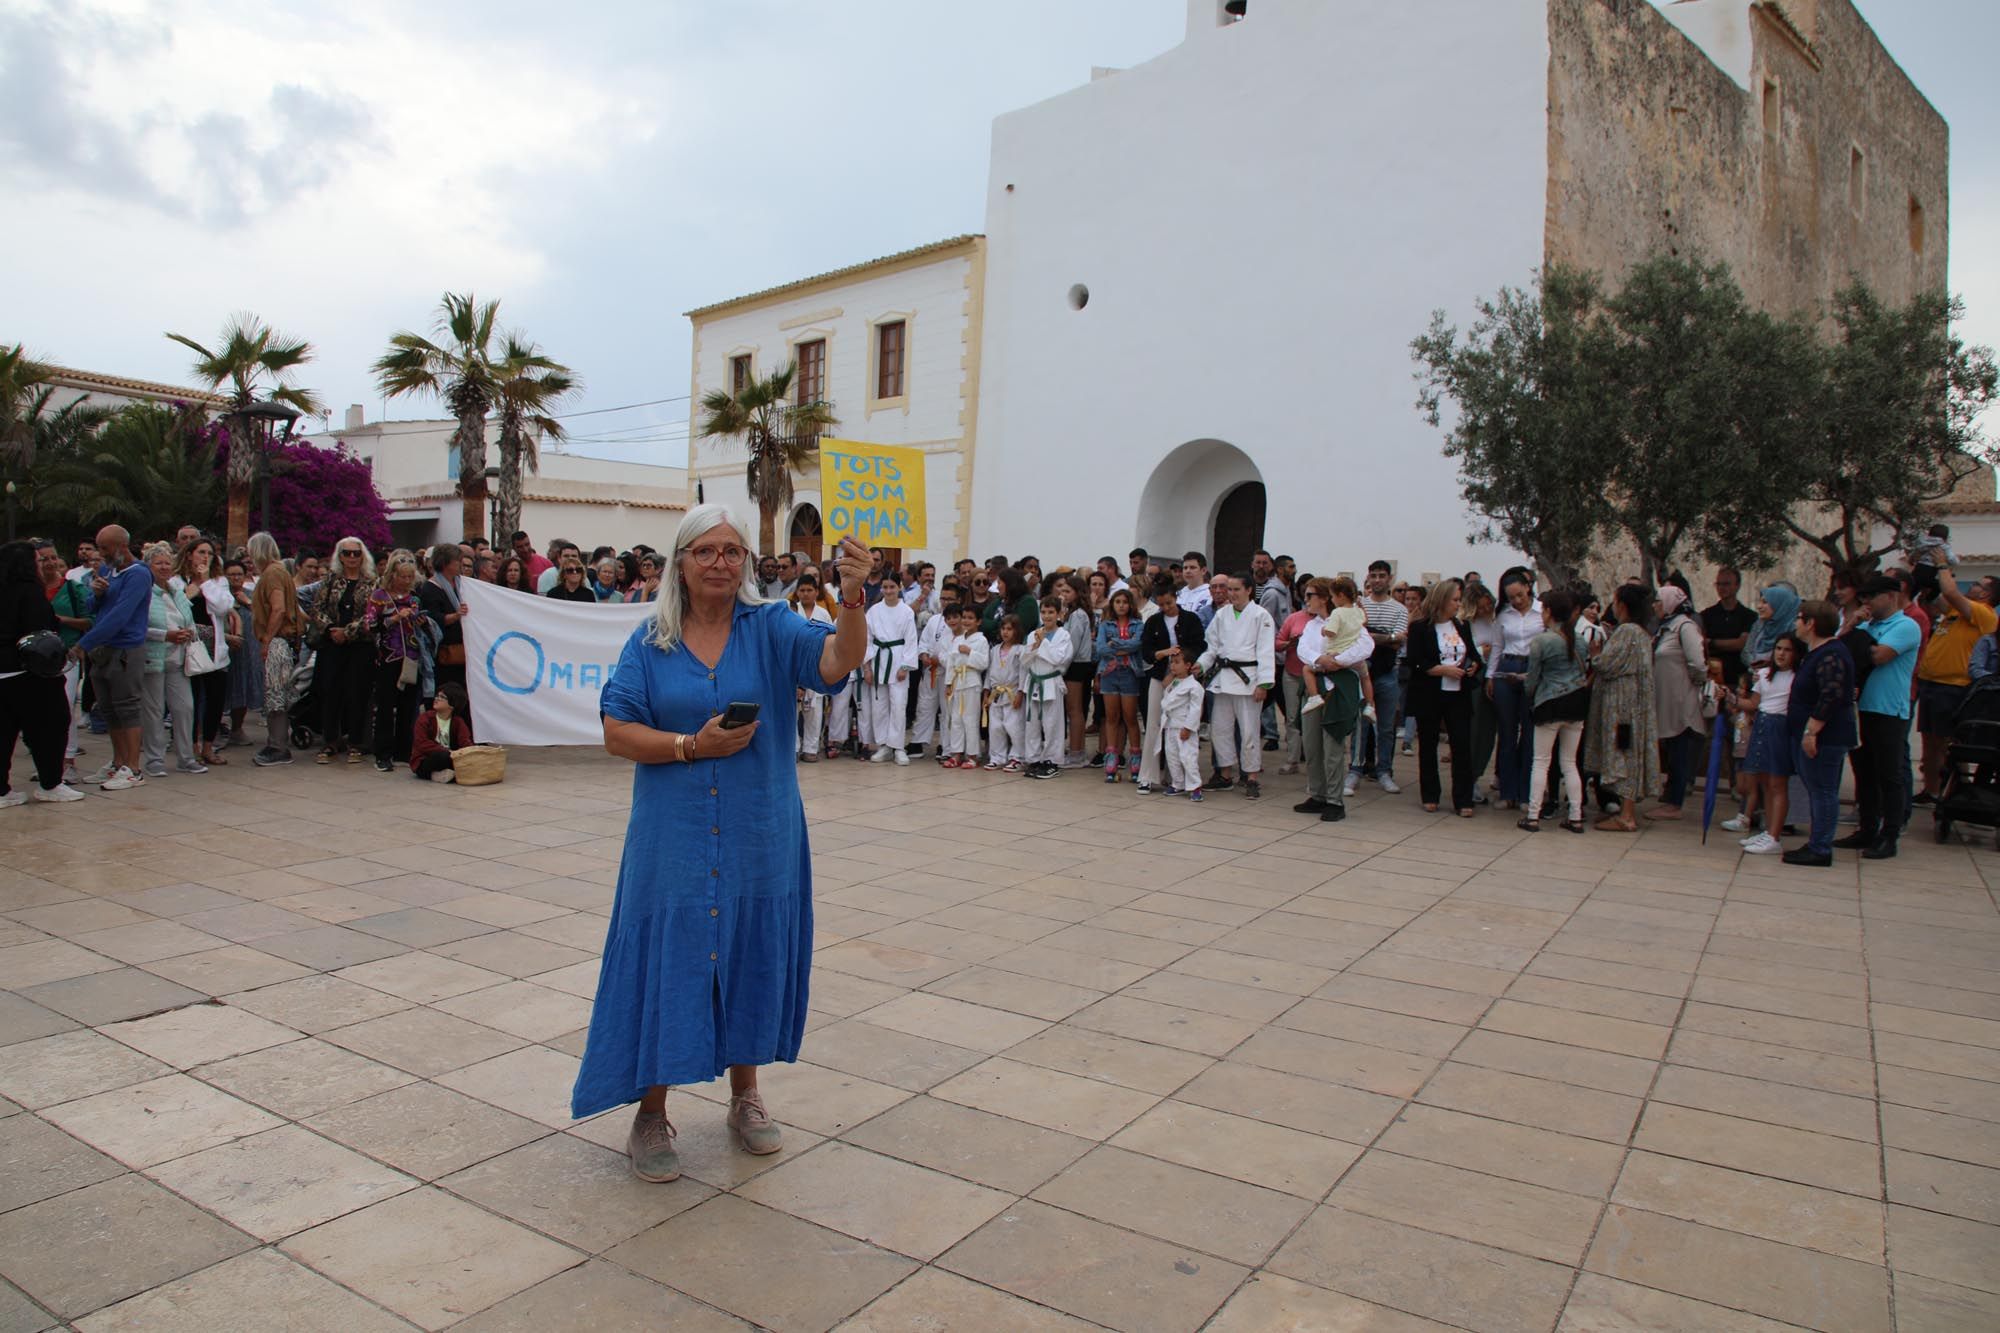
[24,393]
[528,387]
[780,436]
[460,369]
[150,465]
[250,352]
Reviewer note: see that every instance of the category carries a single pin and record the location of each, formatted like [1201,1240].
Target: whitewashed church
[1187,322]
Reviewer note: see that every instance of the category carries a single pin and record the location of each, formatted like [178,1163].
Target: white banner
[535,666]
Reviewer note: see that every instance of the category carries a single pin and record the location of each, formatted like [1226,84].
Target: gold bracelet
[688,755]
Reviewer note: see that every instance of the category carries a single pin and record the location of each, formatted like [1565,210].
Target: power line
[600,411]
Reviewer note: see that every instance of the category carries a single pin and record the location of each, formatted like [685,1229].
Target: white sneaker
[1352,784]
[881,755]
[62,791]
[902,759]
[1388,784]
[1736,824]
[1763,845]
[1368,712]
[1312,705]
[124,779]
[102,774]
[13,798]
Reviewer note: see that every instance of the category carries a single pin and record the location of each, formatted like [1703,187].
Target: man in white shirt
[1194,595]
[1113,580]
[1241,666]
[87,561]
[892,655]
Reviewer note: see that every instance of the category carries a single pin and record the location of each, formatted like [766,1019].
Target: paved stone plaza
[292,1049]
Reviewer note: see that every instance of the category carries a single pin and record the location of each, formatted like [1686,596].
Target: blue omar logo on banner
[518,664]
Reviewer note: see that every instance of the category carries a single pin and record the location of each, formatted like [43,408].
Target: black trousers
[210,689]
[432,763]
[1453,717]
[1879,766]
[341,676]
[395,713]
[36,709]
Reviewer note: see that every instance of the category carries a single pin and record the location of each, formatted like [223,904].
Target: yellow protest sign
[872,491]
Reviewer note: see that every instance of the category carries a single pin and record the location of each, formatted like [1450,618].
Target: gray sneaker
[651,1145]
[752,1125]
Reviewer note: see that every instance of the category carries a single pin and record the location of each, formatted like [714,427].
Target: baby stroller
[1971,791]
[305,705]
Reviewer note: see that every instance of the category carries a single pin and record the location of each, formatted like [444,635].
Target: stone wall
[1653,147]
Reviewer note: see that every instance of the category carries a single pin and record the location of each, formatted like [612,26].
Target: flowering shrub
[318,496]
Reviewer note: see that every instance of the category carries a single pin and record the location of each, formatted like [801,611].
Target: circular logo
[514,671]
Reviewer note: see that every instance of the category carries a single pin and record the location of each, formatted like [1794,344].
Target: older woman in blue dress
[706,961]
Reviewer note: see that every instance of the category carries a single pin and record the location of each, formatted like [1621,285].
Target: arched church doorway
[1206,495]
[804,533]
[1239,527]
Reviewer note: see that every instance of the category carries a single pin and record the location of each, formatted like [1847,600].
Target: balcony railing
[788,419]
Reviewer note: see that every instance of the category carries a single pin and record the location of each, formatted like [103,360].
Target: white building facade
[1205,271]
[1188,325]
[591,501]
[892,345]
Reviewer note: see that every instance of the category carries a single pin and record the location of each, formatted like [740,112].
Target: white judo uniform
[812,704]
[931,642]
[1006,715]
[892,650]
[963,670]
[1049,655]
[1241,649]
[1180,709]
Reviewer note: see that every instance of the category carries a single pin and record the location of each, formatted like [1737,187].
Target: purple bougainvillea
[318,496]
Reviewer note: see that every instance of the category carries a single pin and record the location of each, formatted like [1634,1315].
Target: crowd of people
[1539,703]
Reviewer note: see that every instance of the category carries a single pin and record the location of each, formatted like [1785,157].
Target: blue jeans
[1388,698]
[1822,781]
[1515,715]
[1681,752]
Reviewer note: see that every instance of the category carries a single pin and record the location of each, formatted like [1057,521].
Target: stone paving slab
[291,1048]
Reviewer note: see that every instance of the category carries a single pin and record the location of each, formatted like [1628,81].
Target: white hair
[367,556]
[262,549]
[665,633]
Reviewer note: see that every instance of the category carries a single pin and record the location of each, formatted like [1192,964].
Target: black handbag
[42,653]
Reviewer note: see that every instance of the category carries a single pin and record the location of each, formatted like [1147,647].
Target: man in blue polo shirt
[116,647]
[1882,764]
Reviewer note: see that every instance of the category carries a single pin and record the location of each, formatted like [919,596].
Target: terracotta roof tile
[90,379]
[933,248]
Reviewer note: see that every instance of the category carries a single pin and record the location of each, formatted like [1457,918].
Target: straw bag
[479,765]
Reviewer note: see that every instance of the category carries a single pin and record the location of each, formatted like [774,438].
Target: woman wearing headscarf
[1777,616]
[1619,743]
[1680,668]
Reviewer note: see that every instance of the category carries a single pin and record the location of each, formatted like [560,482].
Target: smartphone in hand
[739,715]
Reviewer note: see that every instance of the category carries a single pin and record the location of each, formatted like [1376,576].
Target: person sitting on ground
[445,727]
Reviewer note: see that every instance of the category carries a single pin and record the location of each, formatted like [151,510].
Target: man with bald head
[115,644]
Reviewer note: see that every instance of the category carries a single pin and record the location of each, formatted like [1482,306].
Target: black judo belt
[1238,667]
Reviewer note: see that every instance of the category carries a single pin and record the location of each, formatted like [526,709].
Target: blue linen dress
[706,960]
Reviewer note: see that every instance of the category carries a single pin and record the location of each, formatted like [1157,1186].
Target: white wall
[1265,217]
[931,299]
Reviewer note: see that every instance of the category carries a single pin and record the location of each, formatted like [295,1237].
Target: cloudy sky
[600,167]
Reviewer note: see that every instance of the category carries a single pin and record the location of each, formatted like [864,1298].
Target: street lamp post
[10,510]
[492,503]
[259,420]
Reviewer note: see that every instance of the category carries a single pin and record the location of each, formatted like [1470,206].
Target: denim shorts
[1119,682]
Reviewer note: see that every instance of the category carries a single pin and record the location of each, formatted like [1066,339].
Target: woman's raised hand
[854,562]
[714,741]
